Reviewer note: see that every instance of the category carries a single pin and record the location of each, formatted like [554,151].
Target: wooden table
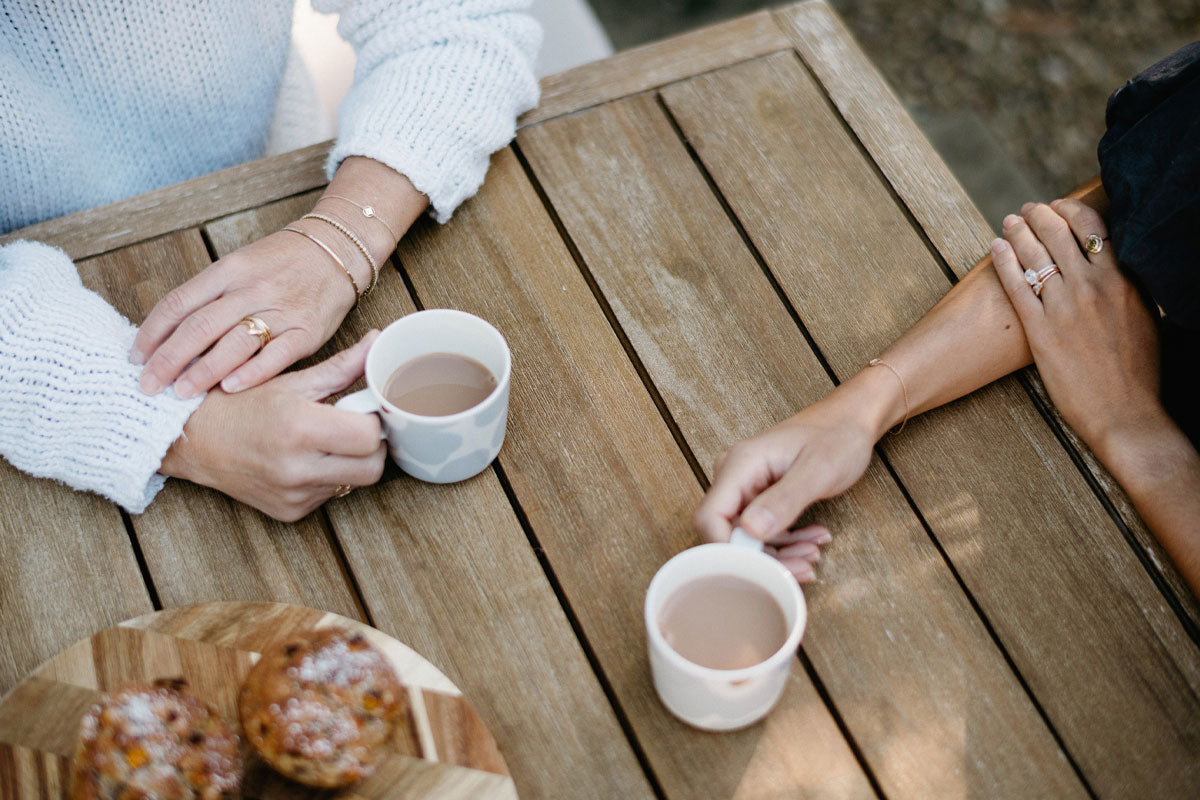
[687,242]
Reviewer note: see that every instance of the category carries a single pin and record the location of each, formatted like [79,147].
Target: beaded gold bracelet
[367,211]
[349,234]
[332,255]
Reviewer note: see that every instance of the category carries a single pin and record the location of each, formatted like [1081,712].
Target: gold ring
[256,327]
[342,491]
[1094,243]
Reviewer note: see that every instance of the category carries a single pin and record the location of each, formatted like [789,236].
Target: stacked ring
[256,327]
[1037,280]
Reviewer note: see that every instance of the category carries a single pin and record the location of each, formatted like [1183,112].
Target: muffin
[320,707]
[156,741]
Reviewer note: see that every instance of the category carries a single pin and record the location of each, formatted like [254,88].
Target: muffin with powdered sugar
[156,741]
[321,707]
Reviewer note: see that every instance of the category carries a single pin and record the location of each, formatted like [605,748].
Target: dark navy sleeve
[1150,165]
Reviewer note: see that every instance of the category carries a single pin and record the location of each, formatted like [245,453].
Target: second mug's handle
[742,539]
[363,402]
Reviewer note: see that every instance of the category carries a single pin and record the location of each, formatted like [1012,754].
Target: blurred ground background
[1011,92]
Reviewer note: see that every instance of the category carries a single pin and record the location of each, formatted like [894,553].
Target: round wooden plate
[443,750]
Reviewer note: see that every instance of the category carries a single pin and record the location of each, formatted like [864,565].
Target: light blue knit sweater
[104,99]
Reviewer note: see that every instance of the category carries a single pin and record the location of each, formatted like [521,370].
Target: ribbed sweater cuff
[434,107]
[70,407]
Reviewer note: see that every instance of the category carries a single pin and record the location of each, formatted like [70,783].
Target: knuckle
[198,326]
[175,303]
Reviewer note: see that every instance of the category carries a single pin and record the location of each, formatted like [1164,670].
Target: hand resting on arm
[1103,375]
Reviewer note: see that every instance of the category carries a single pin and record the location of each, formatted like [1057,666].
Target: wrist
[344,251]
[874,398]
[374,234]
[1131,437]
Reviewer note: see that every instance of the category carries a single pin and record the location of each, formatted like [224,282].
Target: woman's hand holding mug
[277,446]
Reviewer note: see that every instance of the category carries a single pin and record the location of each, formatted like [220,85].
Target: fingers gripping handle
[363,402]
[742,539]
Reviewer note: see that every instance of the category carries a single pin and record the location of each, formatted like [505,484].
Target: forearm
[969,339]
[1160,471]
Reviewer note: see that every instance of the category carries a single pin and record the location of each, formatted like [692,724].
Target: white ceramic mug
[452,447]
[723,699]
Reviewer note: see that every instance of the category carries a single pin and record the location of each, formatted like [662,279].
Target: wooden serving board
[443,749]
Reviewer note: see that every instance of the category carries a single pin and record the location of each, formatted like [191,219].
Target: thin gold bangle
[875,362]
[362,248]
[367,211]
[331,254]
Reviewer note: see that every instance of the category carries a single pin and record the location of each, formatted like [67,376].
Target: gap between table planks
[605,490]
[953,226]
[1127,710]
[67,569]
[198,544]
[904,657]
[854,86]
[449,571]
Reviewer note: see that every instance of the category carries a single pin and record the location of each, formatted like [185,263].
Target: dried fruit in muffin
[155,741]
[320,707]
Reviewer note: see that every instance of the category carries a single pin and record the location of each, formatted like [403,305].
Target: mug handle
[364,402]
[742,539]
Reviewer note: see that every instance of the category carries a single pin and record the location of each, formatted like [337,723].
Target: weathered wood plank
[893,638]
[1108,661]
[67,569]
[180,206]
[941,206]
[199,544]
[448,570]
[652,65]
[606,489]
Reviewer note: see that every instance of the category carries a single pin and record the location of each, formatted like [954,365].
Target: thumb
[334,373]
[776,508]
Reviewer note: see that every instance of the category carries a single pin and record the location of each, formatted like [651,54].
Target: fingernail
[1025,209]
[1010,220]
[184,389]
[149,384]
[998,246]
[804,573]
[759,520]
[824,538]
[807,550]
[136,356]
[231,385]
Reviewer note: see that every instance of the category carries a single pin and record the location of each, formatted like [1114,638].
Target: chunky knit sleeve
[70,407]
[437,88]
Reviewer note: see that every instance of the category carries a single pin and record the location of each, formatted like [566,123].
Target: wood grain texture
[944,211]
[1108,661]
[213,646]
[200,544]
[605,488]
[879,120]
[892,637]
[449,570]
[67,567]
[640,69]
[182,205]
